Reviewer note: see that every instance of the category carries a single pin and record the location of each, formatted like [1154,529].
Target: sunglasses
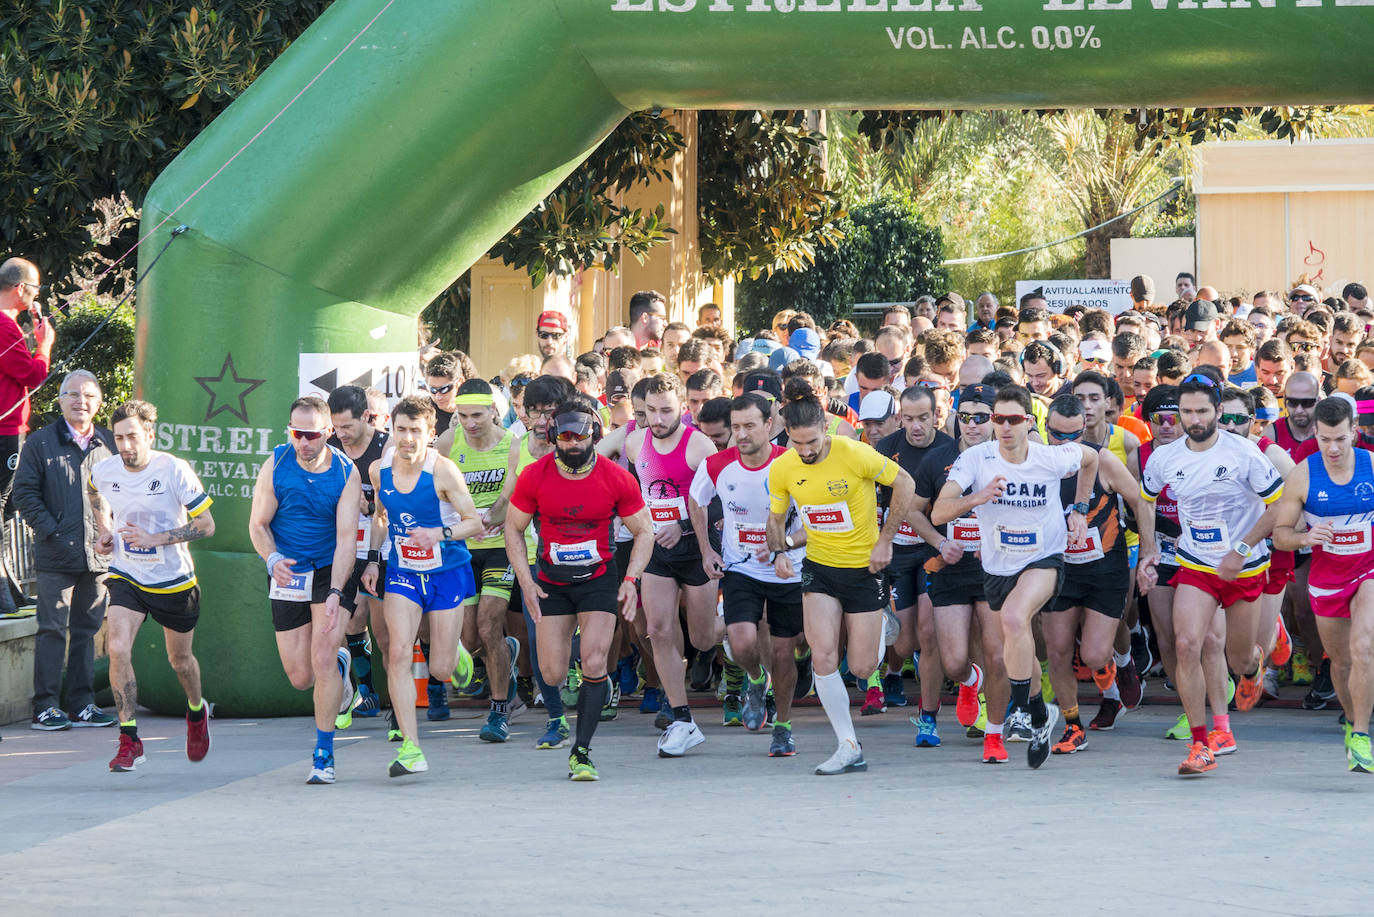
[1303,346]
[1234,419]
[1164,418]
[977,418]
[1200,379]
[440,389]
[1066,436]
[1301,297]
[308,436]
[571,438]
[1096,361]
[1304,403]
[1014,420]
[550,335]
[929,383]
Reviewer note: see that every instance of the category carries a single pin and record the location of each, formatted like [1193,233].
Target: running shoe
[1105,677]
[873,702]
[678,738]
[321,767]
[652,700]
[393,728]
[572,687]
[1140,650]
[1179,731]
[409,760]
[731,713]
[909,666]
[754,711]
[893,691]
[782,745]
[462,671]
[627,673]
[701,674]
[580,767]
[848,758]
[1130,685]
[438,703]
[1230,690]
[611,709]
[770,710]
[967,707]
[1046,687]
[980,725]
[497,728]
[478,688]
[806,676]
[348,696]
[1283,645]
[994,749]
[927,735]
[370,704]
[1221,742]
[664,718]
[1108,712]
[129,756]
[1302,668]
[91,715]
[1199,761]
[556,733]
[198,734]
[1357,754]
[1323,691]
[1271,683]
[1249,690]
[50,720]
[1039,748]
[1017,727]
[1073,739]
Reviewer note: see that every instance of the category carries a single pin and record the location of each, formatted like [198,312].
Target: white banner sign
[395,375]
[1112,295]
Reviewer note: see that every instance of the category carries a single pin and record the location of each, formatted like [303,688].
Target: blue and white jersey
[419,507]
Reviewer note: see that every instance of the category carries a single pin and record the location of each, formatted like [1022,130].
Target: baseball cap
[1095,350]
[618,384]
[763,382]
[1142,288]
[764,346]
[1364,412]
[781,357]
[1160,398]
[805,343]
[877,405]
[978,393]
[552,321]
[1201,314]
[1305,288]
[578,422]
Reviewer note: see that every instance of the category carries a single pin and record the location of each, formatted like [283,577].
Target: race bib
[364,528]
[1089,551]
[1349,539]
[581,554]
[827,517]
[1018,539]
[1209,536]
[413,557]
[300,589]
[906,535]
[142,556]
[1168,550]
[967,532]
[750,536]
[666,511]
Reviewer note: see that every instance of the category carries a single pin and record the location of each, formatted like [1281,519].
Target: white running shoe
[349,696]
[679,737]
[847,758]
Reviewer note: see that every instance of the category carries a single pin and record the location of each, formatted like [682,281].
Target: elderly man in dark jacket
[48,491]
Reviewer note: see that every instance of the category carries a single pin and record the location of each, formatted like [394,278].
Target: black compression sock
[1020,693]
[361,652]
[590,700]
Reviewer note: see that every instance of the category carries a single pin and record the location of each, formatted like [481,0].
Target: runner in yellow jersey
[830,482]
[480,447]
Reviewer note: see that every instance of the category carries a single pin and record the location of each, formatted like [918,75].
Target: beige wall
[1161,259]
[1271,212]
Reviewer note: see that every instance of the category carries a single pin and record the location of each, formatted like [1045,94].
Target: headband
[475,398]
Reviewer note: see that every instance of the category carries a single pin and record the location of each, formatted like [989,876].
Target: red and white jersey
[744,496]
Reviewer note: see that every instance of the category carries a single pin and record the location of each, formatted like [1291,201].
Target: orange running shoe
[1221,742]
[1199,761]
[1249,689]
[1283,645]
[1105,677]
[994,750]
[1073,739]
[966,708]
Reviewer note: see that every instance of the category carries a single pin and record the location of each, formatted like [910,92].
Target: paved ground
[1279,828]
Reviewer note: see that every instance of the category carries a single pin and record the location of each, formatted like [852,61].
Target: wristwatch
[1241,548]
[790,542]
[1081,508]
[448,534]
[336,591]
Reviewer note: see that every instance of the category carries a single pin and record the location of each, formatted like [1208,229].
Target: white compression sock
[835,699]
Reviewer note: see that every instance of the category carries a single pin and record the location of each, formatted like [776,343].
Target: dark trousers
[70,609]
[9,461]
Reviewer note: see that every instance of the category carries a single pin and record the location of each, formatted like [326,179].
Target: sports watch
[1081,508]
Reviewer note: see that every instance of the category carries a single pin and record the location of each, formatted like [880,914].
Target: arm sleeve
[15,359]
[703,488]
[28,492]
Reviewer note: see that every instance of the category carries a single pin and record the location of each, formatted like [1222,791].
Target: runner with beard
[576,496]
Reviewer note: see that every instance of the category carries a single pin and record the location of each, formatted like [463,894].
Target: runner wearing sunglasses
[1223,484]
[443,375]
[304,524]
[955,585]
[1015,486]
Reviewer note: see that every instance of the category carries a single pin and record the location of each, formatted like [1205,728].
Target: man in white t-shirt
[158,505]
[1014,484]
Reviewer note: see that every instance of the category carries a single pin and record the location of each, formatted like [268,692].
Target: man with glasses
[1300,396]
[1223,485]
[1014,485]
[20,372]
[443,375]
[575,585]
[71,574]
[552,329]
[303,524]
[1302,297]
[1261,319]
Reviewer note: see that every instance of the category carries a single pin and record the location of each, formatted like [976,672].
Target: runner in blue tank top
[303,525]
[424,511]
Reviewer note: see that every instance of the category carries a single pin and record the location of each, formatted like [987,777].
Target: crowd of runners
[1011,512]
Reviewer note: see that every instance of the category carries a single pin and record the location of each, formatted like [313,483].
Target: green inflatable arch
[427,128]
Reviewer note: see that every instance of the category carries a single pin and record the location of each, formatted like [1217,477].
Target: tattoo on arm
[187,532]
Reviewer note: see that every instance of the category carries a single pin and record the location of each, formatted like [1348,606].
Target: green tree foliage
[886,253]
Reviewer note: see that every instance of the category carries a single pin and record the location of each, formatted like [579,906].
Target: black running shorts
[997,588]
[177,611]
[747,600]
[857,589]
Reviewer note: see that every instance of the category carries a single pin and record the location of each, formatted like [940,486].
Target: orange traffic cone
[420,670]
